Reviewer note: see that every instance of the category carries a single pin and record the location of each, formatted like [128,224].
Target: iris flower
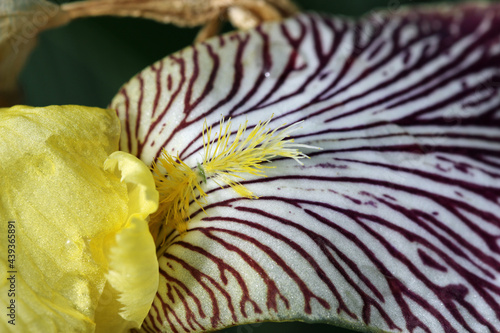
[393,225]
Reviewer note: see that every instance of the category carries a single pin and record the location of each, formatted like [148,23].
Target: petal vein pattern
[394,225]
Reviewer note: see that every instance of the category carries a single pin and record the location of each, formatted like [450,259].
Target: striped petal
[394,225]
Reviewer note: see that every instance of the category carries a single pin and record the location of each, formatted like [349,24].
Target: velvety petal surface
[394,225]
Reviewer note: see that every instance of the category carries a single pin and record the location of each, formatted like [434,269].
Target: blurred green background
[88,60]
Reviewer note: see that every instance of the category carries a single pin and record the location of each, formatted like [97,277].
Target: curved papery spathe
[81,248]
[394,225]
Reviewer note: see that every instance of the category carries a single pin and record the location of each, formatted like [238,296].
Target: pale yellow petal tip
[143,196]
[132,265]
[133,270]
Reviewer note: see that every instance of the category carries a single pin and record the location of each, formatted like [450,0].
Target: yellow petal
[142,193]
[133,268]
[69,214]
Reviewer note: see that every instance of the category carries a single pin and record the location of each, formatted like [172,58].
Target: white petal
[394,225]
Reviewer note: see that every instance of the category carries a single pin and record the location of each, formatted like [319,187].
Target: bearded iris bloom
[393,225]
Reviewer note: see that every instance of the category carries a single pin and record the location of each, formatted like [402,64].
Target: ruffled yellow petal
[142,193]
[133,269]
[71,217]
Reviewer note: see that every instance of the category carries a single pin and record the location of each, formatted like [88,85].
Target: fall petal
[394,225]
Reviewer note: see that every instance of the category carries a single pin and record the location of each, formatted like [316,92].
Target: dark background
[88,60]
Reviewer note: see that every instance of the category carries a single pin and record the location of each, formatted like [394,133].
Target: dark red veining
[350,127]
